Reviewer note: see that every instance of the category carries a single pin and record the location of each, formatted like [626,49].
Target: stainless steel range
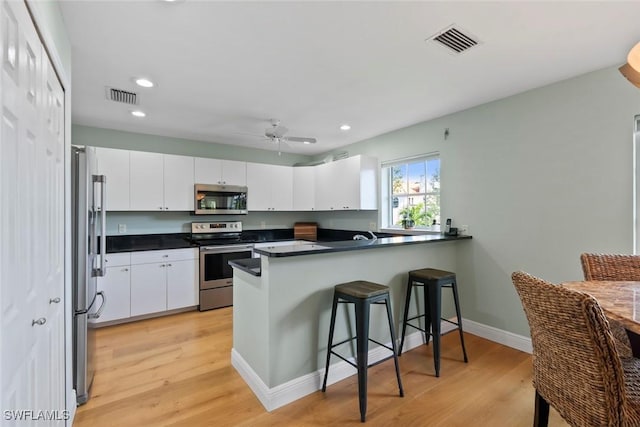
[220,242]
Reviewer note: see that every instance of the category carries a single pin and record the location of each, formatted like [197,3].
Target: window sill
[412,231]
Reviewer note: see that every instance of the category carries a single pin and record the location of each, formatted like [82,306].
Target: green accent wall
[100,137]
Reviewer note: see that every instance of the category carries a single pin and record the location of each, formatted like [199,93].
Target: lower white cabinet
[148,282]
[182,284]
[116,286]
[148,288]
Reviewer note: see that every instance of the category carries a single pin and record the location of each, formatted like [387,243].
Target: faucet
[360,237]
[372,235]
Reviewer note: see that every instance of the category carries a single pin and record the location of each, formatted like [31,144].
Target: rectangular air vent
[454,39]
[119,95]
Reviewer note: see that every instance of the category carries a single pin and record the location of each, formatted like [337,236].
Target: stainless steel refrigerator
[89,241]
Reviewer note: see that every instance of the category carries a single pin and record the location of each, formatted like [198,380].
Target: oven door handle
[225,249]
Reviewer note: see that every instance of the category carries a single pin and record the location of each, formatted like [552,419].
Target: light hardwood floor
[176,371]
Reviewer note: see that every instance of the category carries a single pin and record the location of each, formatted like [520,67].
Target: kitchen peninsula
[282,307]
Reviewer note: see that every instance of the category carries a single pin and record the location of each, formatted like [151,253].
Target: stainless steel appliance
[220,199]
[87,265]
[220,242]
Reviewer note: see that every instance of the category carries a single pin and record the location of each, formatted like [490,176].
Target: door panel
[31,220]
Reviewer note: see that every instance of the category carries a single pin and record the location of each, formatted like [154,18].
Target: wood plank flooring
[176,371]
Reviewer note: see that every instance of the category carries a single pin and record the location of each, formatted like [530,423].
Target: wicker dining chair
[576,367]
[613,267]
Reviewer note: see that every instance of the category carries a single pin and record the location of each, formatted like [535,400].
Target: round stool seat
[361,289]
[432,274]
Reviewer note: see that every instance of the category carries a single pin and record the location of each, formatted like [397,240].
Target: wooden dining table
[620,301]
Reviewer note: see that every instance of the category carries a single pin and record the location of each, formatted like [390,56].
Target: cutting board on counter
[305,230]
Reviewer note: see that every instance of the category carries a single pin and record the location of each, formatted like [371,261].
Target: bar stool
[433,281]
[362,294]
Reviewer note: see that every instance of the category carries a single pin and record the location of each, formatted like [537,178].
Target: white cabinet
[270,187]
[163,280]
[217,171]
[147,181]
[148,288]
[161,182]
[348,184]
[178,183]
[182,284]
[116,286]
[114,164]
[304,191]
[146,282]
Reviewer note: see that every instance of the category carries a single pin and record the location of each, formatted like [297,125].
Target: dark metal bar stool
[433,281]
[362,294]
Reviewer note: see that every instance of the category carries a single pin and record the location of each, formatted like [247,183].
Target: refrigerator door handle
[102,179]
[98,313]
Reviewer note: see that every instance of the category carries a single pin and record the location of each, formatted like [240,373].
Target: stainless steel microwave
[220,199]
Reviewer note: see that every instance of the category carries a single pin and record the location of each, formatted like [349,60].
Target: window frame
[386,191]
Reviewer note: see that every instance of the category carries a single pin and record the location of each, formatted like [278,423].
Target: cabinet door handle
[163,265]
[41,321]
[165,256]
[125,269]
[55,300]
[161,208]
[168,265]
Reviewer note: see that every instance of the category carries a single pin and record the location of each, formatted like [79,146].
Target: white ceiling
[223,69]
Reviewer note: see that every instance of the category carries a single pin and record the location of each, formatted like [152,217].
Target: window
[412,193]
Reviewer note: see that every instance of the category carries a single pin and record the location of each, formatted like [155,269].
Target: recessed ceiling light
[138,113]
[144,82]
[345,127]
[307,142]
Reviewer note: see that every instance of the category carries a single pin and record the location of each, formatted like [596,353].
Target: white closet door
[31,221]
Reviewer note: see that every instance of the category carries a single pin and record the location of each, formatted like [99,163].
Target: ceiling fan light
[632,74]
[633,58]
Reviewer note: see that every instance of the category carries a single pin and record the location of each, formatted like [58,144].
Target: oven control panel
[216,227]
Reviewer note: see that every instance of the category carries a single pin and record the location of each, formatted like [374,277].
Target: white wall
[539,177]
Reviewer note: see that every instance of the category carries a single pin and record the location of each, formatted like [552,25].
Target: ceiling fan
[277,134]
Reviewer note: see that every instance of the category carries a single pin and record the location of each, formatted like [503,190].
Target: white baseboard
[490,333]
[280,395]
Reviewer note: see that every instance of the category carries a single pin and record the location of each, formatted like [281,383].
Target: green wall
[538,177]
[99,137]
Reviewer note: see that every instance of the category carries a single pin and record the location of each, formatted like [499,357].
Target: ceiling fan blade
[300,139]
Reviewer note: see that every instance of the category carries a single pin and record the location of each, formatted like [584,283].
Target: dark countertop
[148,242]
[253,266]
[152,242]
[351,245]
[250,265]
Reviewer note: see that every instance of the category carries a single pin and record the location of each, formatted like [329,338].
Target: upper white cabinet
[270,187]
[348,184]
[160,182]
[114,164]
[304,188]
[216,171]
[178,183]
[147,181]
[144,181]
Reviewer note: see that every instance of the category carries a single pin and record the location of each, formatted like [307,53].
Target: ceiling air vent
[119,95]
[455,39]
